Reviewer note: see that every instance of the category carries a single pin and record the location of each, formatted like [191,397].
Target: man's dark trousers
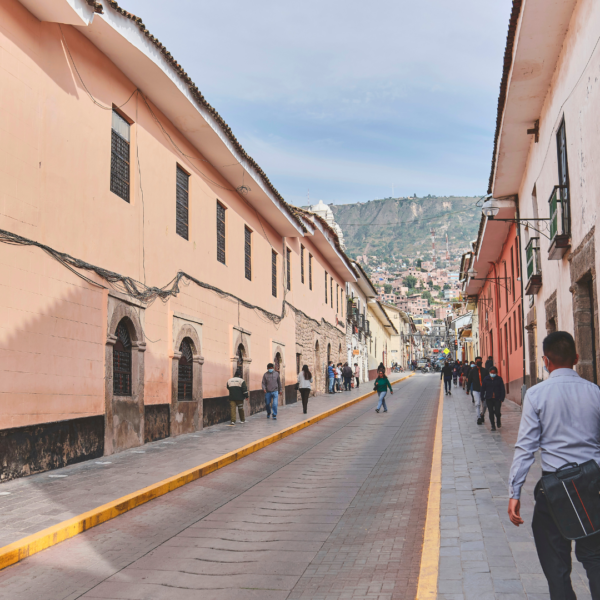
[554,552]
[447,384]
[347,383]
[495,407]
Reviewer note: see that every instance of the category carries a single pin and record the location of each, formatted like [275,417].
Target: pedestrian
[271,386]
[357,374]
[493,393]
[381,368]
[489,363]
[446,375]
[331,376]
[466,369]
[339,378]
[382,384]
[347,374]
[476,377]
[455,372]
[561,417]
[304,386]
[238,392]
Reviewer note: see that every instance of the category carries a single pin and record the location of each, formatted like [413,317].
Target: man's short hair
[270,366]
[478,358]
[493,369]
[559,347]
[239,374]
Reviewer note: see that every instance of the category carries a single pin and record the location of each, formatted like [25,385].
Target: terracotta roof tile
[96,6]
[508,57]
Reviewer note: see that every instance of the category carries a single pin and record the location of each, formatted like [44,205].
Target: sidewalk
[483,555]
[31,504]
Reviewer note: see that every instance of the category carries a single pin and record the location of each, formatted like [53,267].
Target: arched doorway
[328,353]
[122,360]
[240,354]
[185,379]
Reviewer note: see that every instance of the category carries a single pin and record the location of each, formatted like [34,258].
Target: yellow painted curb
[430,557]
[17,551]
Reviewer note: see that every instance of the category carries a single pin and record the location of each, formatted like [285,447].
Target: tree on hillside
[427,296]
[388,288]
[418,263]
[446,286]
[410,281]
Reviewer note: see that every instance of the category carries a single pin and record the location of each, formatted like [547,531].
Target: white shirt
[304,383]
[562,417]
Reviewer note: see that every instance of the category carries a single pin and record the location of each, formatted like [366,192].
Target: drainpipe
[524,386]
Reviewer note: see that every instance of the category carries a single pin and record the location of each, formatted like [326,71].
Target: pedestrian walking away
[331,376]
[347,374]
[446,375]
[304,386]
[271,386]
[357,374]
[476,377]
[238,392]
[382,384]
[489,363]
[455,372]
[561,417]
[493,393]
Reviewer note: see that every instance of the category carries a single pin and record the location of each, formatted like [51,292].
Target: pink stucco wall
[54,188]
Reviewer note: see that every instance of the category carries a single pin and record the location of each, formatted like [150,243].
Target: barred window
[337,298]
[220,233]
[331,291]
[326,287]
[342,302]
[181,203]
[274,273]
[288,268]
[122,361]
[310,272]
[185,378]
[248,252]
[302,264]
[119,157]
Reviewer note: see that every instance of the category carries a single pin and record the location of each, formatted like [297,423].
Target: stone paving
[335,511]
[483,555]
[30,504]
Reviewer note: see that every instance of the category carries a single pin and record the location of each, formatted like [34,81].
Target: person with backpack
[493,393]
[475,381]
[382,384]
[238,392]
[446,375]
[304,386]
[347,374]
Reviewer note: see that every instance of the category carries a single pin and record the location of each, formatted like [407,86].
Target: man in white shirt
[561,416]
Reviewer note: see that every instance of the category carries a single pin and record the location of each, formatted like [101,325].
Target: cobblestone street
[334,511]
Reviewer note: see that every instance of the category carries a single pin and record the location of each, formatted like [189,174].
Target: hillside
[401,226]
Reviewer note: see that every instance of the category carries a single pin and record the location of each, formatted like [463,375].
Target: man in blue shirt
[331,377]
[561,416]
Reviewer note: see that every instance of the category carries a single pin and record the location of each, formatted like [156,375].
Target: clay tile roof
[96,6]
[200,99]
[508,57]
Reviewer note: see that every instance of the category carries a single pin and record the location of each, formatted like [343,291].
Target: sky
[348,100]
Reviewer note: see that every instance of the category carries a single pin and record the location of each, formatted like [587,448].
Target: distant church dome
[326,213]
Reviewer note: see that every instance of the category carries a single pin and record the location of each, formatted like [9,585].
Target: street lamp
[490,208]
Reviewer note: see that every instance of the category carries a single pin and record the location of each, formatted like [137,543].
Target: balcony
[560,222]
[534,271]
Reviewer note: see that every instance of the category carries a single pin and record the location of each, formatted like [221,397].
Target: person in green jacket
[382,383]
[238,391]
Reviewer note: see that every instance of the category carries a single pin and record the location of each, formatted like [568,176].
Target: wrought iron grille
[331,291]
[181,203]
[310,272]
[337,298]
[274,273]
[122,362]
[248,252]
[288,268]
[119,158]
[220,233]
[326,300]
[302,264]
[185,380]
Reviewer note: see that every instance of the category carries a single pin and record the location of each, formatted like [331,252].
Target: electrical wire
[390,224]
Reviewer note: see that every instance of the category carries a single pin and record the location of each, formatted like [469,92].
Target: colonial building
[146,255]
[381,330]
[400,344]
[544,180]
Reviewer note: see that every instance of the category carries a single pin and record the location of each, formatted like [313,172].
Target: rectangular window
[326,287]
[310,272]
[331,291]
[274,273]
[302,264]
[182,188]
[221,233]
[512,272]
[515,326]
[509,339]
[342,301]
[520,327]
[288,268]
[517,257]
[119,156]
[248,252]
[337,298]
